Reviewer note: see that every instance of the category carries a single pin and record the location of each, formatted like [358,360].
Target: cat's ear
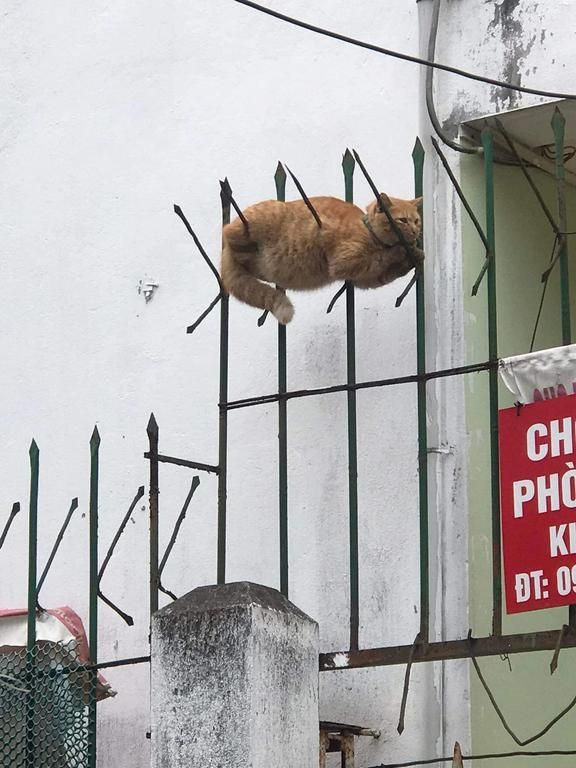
[385,199]
[417,202]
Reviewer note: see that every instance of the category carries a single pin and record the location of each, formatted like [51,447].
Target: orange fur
[285,246]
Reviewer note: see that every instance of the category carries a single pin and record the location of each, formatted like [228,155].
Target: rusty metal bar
[409,379]
[494,645]
[13,513]
[382,205]
[127,618]
[305,198]
[161,459]
[335,298]
[59,537]
[178,211]
[523,167]
[460,193]
[490,756]
[209,308]
[174,536]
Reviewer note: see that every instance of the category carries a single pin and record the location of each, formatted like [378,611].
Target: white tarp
[541,375]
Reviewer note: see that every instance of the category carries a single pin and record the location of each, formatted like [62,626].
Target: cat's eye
[403,219]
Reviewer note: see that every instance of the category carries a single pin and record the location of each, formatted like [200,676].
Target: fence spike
[174,536]
[335,298]
[369,179]
[95,440]
[305,197]
[400,727]
[406,290]
[280,181]
[178,211]
[59,537]
[457,758]
[139,493]
[226,192]
[152,428]
[204,315]
[13,513]
[383,207]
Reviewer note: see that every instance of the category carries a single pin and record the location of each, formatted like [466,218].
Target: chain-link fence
[44,707]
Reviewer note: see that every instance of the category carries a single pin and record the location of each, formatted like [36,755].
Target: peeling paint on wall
[508,24]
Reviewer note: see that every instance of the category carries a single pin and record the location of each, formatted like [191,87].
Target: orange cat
[284,245]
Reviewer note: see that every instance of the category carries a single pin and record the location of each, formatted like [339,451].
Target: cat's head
[404,212]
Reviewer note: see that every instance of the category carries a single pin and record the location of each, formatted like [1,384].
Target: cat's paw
[283,310]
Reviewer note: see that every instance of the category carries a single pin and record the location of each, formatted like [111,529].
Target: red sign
[538,503]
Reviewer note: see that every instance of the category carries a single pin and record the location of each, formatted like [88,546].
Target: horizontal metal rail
[183,462]
[495,645]
[409,379]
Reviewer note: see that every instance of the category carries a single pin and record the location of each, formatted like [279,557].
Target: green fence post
[280,182]
[153,435]
[223,416]
[31,617]
[558,126]
[348,166]
[488,145]
[418,155]
[93,602]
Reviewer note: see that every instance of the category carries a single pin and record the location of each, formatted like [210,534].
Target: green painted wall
[528,695]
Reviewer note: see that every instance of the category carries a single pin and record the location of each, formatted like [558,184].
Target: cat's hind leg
[239,282]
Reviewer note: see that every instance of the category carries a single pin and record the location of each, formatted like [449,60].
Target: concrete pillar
[234,681]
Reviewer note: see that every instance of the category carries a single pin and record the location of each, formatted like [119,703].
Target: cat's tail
[244,286]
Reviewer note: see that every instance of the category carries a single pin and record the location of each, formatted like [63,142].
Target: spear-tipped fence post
[348,167]
[226,199]
[154,491]
[30,753]
[418,156]
[93,608]
[280,184]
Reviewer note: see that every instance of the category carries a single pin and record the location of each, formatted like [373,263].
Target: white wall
[111,112]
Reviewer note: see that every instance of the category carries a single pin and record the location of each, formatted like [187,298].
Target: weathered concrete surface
[234,681]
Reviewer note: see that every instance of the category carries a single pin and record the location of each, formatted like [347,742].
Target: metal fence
[48,702]
[48,691]
[46,698]
[422,649]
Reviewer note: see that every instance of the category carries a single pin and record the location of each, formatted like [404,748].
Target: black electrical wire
[430,86]
[405,56]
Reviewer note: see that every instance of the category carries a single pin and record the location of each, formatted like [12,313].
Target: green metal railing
[423,649]
[283,396]
[44,680]
[48,696]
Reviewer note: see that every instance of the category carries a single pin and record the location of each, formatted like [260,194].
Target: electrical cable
[543,294]
[429,88]
[405,56]
[507,728]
